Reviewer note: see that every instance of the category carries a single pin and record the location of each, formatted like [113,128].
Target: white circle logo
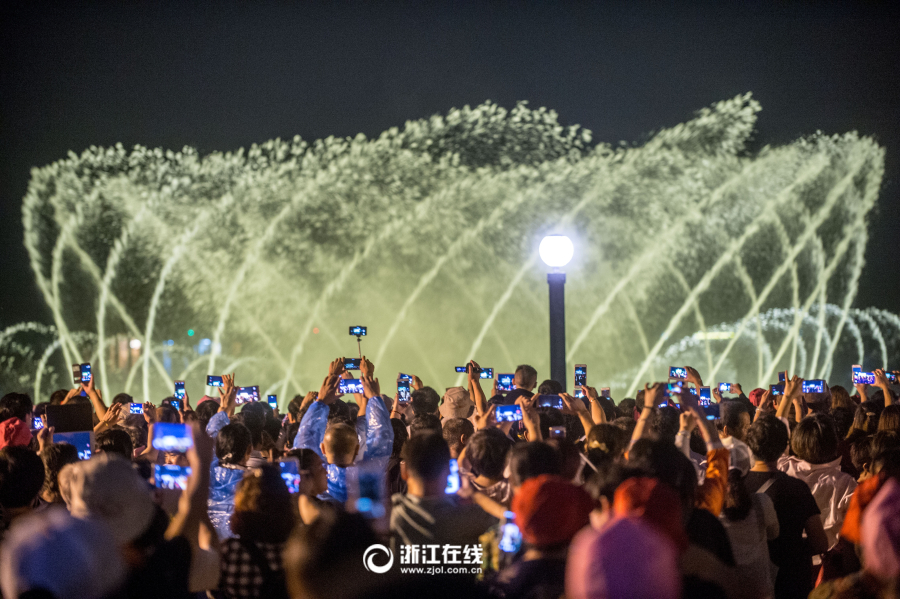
[369,559]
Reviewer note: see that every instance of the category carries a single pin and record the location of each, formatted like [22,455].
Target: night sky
[220,75]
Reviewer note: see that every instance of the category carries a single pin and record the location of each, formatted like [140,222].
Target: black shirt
[511,397]
[794,505]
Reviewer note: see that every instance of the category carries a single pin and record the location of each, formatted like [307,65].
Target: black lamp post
[556,251]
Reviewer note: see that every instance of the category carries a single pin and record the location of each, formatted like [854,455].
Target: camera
[550,401]
[403,392]
[358,331]
[169,476]
[136,408]
[273,401]
[172,437]
[350,386]
[776,389]
[724,387]
[215,381]
[351,363]
[453,482]
[814,386]
[179,389]
[247,394]
[580,375]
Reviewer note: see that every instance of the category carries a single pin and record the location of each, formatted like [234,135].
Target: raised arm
[882,383]
[575,406]
[651,396]
[312,427]
[95,398]
[473,374]
[379,434]
[598,414]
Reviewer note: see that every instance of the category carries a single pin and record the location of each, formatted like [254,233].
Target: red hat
[550,510]
[14,432]
[755,396]
[654,502]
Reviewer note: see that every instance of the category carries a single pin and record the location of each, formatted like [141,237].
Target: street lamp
[556,251]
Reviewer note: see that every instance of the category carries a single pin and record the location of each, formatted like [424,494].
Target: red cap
[755,396]
[550,510]
[654,502]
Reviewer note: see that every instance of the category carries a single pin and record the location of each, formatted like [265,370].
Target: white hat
[107,488]
[456,403]
[52,551]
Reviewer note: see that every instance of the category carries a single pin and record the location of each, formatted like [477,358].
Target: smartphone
[863,378]
[175,403]
[776,389]
[170,476]
[403,391]
[550,401]
[215,381]
[512,413]
[557,432]
[580,376]
[505,383]
[510,536]
[724,387]
[247,394]
[712,411]
[460,369]
[782,376]
[170,436]
[358,331]
[82,440]
[85,373]
[453,482]
[487,373]
[705,393]
[76,374]
[290,472]
[367,488]
[604,392]
[678,372]
[813,386]
[36,423]
[136,408]
[891,377]
[350,386]
[404,377]
[674,389]
[579,394]
[351,363]
[273,401]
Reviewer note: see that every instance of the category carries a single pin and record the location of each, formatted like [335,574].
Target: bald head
[340,444]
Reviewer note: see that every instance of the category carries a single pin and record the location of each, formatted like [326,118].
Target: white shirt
[831,488]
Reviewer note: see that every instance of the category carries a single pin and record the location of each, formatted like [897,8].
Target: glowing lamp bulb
[556,250]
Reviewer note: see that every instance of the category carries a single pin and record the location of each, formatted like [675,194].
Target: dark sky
[220,75]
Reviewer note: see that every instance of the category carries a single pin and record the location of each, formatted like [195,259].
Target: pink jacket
[831,488]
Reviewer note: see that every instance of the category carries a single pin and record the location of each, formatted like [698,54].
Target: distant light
[315,330]
[556,250]
[205,341]
[135,344]
[714,335]
[170,342]
[190,332]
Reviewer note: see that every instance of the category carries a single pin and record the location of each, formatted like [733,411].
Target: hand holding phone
[678,372]
[505,382]
[511,413]
[403,392]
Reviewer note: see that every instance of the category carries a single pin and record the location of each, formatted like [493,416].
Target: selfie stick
[359,345]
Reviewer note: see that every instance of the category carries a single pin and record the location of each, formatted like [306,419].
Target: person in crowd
[313,484]
[425,423]
[525,380]
[21,479]
[485,455]
[425,401]
[734,419]
[233,448]
[456,403]
[817,463]
[55,457]
[114,440]
[395,480]
[608,438]
[262,521]
[457,432]
[14,432]
[426,514]
[751,523]
[797,510]
[879,537]
[890,419]
[340,445]
[549,511]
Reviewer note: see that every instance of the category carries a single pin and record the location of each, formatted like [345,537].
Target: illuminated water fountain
[690,249]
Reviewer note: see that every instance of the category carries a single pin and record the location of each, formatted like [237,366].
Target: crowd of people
[530,493]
